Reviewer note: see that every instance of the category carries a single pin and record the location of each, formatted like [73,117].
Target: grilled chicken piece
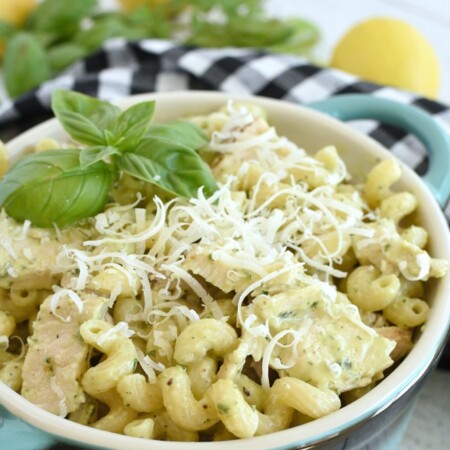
[57,355]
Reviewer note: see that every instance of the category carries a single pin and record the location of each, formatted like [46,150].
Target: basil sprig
[86,119]
[66,185]
[179,171]
[51,187]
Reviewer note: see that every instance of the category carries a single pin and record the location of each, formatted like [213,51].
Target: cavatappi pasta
[281,298]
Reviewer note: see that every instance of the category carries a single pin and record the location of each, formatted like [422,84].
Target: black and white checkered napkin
[124,68]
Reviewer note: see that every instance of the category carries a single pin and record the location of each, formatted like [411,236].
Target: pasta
[282,297]
[371,291]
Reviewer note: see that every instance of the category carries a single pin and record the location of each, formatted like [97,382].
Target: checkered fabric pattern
[124,68]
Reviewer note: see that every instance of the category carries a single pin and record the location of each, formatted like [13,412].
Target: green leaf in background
[6,30]
[179,133]
[303,35]
[245,24]
[231,8]
[25,65]
[179,171]
[131,125]
[50,187]
[63,55]
[84,118]
[69,31]
[254,32]
[45,39]
[91,155]
[93,37]
[111,26]
[153,22]
[59,16]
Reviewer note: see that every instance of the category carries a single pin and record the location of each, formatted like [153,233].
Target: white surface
[429,428]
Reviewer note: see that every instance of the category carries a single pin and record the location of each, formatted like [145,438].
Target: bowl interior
[310,130]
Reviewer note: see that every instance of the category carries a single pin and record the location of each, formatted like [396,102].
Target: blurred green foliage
[55,35]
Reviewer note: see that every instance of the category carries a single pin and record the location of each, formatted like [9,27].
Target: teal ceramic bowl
[377,416]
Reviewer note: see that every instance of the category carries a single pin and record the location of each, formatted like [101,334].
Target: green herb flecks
[223,409]
[287,315]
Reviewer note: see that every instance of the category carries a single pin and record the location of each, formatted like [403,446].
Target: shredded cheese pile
[279,216]
[251,241]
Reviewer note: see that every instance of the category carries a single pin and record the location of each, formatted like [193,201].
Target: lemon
[389,51]
[16,11]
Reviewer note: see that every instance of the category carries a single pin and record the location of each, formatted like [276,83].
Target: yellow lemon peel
[391,52]
[16,11]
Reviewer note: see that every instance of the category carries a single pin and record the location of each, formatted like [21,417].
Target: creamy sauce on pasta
[289,290]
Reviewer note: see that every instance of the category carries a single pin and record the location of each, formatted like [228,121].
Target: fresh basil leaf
[50,188]
[91,155]
[63,55]
[179,133]
[59,17]
[132,124]
[81,128]
[177,170]
[83,117]
[25,64]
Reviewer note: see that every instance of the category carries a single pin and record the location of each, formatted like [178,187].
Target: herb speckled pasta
[274,300]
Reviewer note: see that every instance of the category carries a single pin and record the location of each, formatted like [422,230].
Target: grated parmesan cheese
[8,247]
[149,366]
[268,351]
[279,222]
[4,342]
[60,394]
[153,229]
[121,329]
[56,298]
[423,262]
[24,232]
